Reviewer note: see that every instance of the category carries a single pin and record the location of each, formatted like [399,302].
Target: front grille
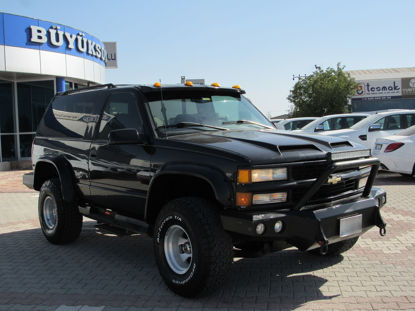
[327,191]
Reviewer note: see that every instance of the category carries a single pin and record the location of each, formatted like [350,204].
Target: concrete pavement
[104,272]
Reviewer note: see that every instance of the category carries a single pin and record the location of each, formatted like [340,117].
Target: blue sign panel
[32,33]
[1,32]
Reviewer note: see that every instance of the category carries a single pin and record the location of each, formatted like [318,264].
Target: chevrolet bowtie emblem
[334,179]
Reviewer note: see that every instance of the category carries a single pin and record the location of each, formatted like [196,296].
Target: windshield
[226,112]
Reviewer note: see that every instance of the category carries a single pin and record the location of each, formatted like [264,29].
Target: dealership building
[381,89]
[38,59]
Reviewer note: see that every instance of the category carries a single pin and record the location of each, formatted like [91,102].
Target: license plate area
[350,225]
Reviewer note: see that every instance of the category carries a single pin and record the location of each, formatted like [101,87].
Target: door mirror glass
[124,136]
[375,127]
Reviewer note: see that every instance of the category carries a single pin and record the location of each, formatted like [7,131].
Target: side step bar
[109,219]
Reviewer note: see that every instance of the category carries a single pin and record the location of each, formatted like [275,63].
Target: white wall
[15,59]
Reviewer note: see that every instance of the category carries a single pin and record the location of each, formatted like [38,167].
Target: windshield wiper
[247,122]
[190,124]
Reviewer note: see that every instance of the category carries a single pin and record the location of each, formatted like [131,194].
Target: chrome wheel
[178,249]
[50,212]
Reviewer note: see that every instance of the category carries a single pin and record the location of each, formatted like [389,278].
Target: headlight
[261,175]
[268,198]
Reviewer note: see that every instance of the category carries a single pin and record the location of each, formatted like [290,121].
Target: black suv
[203,172]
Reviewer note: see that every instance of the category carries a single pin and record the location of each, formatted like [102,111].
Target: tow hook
[380,223]
[323,242]
[324,247]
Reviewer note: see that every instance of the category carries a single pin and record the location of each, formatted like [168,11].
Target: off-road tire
[337,248]
[211,246]
[68,219]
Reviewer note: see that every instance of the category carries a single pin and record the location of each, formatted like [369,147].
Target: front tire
[60,221]
[192,250]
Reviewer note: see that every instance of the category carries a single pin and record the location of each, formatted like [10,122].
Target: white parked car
[334,122]
[397,152]
[378,125]
[294,123]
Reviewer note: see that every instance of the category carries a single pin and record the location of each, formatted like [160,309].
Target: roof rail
[101,86]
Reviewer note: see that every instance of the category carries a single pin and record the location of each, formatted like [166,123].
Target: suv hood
[263,146]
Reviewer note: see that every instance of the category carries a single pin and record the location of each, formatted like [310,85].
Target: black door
[119,174]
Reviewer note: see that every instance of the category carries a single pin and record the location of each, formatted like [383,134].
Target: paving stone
[103,272]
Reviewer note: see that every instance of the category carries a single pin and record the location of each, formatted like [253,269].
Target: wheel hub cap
[50,212]
[178,249]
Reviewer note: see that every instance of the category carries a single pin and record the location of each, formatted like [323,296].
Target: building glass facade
[22,107]
[34,65]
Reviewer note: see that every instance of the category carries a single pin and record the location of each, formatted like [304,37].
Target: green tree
[323,92]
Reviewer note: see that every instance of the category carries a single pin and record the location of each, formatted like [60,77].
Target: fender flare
[65,173]
[220,184]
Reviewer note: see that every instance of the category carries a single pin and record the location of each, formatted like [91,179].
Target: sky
[258,45]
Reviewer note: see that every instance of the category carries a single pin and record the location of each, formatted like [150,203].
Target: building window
[6,107]
[33,98]
[8,147]
[26,145]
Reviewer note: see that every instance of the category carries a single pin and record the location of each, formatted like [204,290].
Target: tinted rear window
[72,116]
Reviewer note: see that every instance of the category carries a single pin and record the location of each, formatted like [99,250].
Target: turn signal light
[189,83]
[157,84]
[244,176]
[215,84]
[393,147]
[243,199]
[236,86]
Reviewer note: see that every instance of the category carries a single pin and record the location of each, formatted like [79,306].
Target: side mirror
[375,127]
[319,128]
[124,136]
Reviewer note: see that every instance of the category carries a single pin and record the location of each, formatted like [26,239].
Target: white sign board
[111,60]
[379,88]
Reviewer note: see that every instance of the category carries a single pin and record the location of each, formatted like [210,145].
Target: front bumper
[308,229]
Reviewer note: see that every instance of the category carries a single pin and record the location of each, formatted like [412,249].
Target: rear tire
[337,248]
[192,250]
[60,221]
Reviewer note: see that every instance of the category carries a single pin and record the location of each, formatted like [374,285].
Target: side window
[381,122]
[73,115]
[410,119]
[121,111]
[326,125]
[392,123]
[288,126]
[342,123]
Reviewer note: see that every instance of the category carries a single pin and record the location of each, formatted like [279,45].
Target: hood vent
[284,149]
[340,144]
